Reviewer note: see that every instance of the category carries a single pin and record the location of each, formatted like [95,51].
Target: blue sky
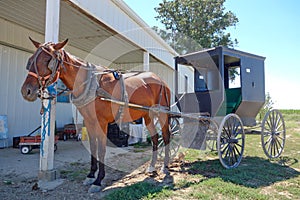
[270,28]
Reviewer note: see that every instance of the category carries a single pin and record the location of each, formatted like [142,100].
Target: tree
[195,24]
[268,105]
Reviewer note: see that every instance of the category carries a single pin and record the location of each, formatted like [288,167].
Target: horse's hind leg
[154,137]
[164,123]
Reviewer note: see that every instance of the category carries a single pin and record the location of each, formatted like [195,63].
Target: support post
[146,61]
[47,172]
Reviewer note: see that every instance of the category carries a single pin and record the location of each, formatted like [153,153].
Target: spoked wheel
[273,134]
[231,141]
[211,136]
[175,134]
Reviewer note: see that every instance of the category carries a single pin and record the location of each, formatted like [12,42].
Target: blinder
[28,65]
[53,64]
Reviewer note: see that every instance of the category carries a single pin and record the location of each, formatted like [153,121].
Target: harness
[92,87]
[53,66]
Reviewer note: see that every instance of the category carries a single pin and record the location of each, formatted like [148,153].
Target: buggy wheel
[273,134]
[175,133]
[25,149]
[231,141]
[211,136]
[55,147]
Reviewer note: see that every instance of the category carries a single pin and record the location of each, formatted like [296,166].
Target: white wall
[15,49]
[23,116]
[184,70]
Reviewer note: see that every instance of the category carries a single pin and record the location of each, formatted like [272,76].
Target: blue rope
[46,123]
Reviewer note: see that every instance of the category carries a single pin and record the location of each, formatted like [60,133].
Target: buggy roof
[187,59]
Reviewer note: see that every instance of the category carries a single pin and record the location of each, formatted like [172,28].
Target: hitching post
[47,172]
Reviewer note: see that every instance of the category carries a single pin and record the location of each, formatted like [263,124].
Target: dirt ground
[124,166]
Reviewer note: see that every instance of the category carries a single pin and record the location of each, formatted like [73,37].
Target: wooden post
[146,67]
[47,172]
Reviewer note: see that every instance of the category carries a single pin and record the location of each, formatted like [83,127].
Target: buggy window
[234,77]
[232,72]
[200,81]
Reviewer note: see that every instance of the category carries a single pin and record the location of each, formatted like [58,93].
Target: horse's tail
[167,95]
[164,95]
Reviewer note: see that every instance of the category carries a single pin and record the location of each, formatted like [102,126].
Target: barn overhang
[105,32]
[97,28]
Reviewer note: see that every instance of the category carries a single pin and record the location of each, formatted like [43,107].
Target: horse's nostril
[28,92]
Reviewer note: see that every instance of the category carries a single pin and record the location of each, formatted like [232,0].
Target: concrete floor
[27,165]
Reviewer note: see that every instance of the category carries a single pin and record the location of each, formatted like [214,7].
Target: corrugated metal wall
[23,116]
[119,17]
[165,73]
[15,49]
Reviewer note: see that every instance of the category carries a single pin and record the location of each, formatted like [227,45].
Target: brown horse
[50,63]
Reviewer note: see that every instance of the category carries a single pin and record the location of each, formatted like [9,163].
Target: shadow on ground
[253,172]
[148,187]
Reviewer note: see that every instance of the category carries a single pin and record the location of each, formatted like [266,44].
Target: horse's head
[43,68]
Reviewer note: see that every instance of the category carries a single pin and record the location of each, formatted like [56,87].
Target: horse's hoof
[94,189]
[164,170]
[88,181]
[150,169]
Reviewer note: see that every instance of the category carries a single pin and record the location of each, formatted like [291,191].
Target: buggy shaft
[158,109]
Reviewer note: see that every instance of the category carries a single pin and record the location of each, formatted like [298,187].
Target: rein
[55,64]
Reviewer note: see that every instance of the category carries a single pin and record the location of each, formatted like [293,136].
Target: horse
[51,62]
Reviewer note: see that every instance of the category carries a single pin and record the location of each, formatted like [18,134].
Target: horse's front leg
[101,139]
[93,148]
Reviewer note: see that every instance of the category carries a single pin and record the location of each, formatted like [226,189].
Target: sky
[269,28]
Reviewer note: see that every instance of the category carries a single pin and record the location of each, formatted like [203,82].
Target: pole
[47,172]
[146,61]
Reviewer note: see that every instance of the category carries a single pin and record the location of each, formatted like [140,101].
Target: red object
[33,139]
[27,143]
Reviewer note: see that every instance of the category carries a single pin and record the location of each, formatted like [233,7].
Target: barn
[105,32]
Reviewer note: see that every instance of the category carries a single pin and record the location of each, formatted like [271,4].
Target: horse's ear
[60,45]
[35,43]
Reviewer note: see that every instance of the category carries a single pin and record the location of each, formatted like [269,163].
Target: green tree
[195,24]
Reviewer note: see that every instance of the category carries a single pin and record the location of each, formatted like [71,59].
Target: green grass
[142,190]
[257,177]
[74,172]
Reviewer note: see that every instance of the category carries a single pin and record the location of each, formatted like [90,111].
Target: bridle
[54,66]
